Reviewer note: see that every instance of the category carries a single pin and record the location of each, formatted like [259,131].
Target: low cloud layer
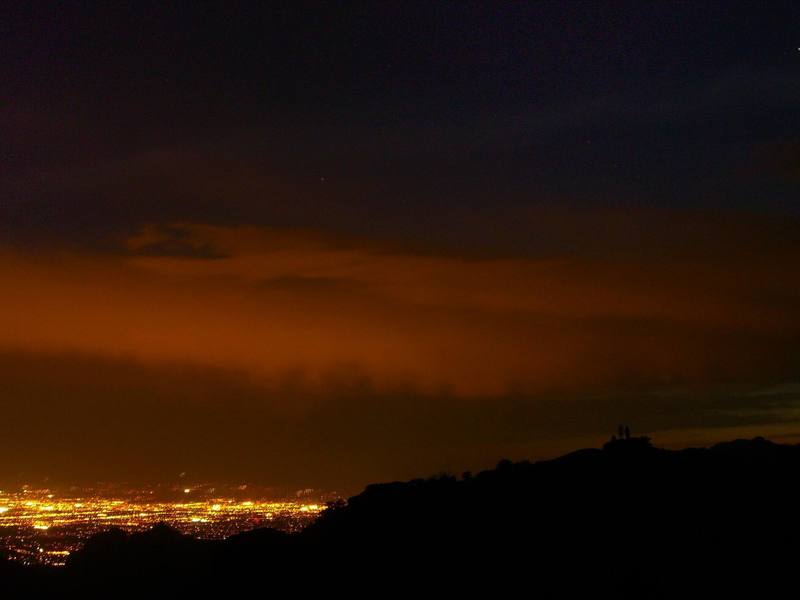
[269,302]
[327,342]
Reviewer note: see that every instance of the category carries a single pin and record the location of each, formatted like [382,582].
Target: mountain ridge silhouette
[629,520]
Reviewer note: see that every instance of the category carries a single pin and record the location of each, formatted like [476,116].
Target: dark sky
[332,243]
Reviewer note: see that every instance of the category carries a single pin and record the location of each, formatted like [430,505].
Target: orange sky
[387,361]
[268,302]
[296,317]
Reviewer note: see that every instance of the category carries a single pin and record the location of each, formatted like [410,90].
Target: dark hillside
[629,521]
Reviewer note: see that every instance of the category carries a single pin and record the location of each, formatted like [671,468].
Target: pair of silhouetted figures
[624,433]
[623,440]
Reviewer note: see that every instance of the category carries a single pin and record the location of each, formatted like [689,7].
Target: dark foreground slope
[628,521]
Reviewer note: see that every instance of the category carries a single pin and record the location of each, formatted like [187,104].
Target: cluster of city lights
[41,526]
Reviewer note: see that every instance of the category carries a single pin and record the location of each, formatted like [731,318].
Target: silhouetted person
[627,432]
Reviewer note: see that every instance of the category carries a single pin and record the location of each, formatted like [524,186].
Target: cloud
[266,302]
[301,354]
[80,418]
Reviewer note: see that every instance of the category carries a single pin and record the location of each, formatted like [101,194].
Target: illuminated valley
[46,525]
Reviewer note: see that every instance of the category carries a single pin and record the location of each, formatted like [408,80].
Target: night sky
[328,244]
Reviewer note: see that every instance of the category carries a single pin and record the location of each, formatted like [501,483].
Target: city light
[43,527]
